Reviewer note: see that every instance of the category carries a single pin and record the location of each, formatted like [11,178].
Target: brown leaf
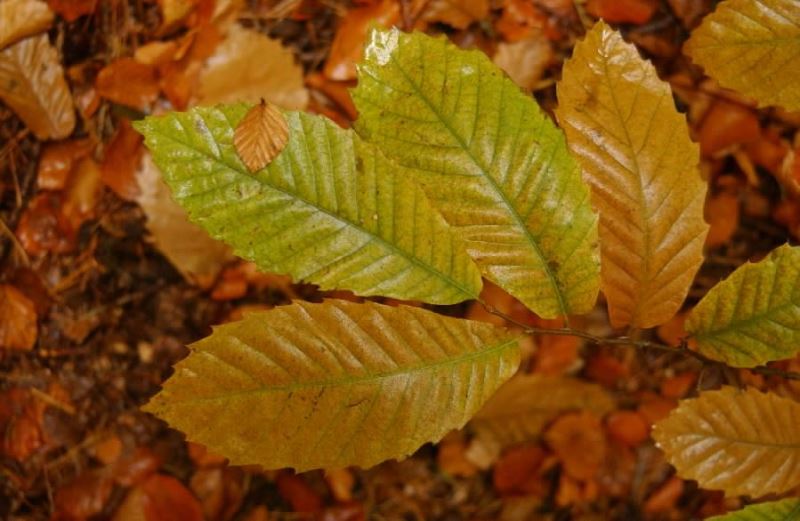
[71,10]
[665,497]
[622,11]
[456,13]
[43,226]
[21,18]
[187,246]
[248,66]
[122,155]
[260,136]
[518,472]
[520,19]
[83,497]
[628,427]
[451,456]
[128,82]
[526,60]
[220,491]
[32,84]
[298,493]
[725,125]
[174,11]
[160,498]
[348,45]
[17,319]
[578,441]
[722,215]
[57,161]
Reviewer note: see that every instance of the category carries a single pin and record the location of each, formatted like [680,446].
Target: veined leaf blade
[635,150]
[490,160]
[741,442]
[753,316]
[329,209]
[785,510]
[334,384]
[752,46]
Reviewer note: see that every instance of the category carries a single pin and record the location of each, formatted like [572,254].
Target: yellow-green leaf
[634,146]
[490,160]
[742,442]
[786,510]
[752,46]
[334,384]
[329,209]
[753,316]
[522,406]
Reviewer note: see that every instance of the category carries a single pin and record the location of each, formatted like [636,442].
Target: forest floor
[104,283]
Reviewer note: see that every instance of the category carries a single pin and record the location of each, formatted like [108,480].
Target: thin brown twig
[626,341]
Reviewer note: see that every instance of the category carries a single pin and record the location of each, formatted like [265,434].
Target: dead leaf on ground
[520,19]
[57,161]
[122,155]
[32,84]
[22,18]
[456,13]
[187,246]
[725,125]
[518,471]
[578,441]
[722,216]
[622,11]
[526,60]
[174,11]
[43,227]
[159,498]
[260,136]
[348,45]
[17,319]
[248,66]
[128,82]
[71,10]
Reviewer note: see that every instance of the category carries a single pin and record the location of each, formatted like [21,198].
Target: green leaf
[786,510]
[753,316]
[752,46]
[522,406]
[634,146]
[490,160]
[330,209]
[334,384]
[742,442]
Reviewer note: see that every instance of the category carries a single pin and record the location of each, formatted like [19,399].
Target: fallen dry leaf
[248,66]
[260,136]
[174,11]
[128,82]
[722,215]
[348,45]
[518,472]
[159,498]
[187,246]
[519,20]
[22,18]
[57,161]
[663,499]
[526,60]
[622,11]
[578,441]
[43,227]
[122,155]
[32,84]
[298,493]
[628,427]
[456,13]
[82,193]
[725,125]
[17,319]
[83,497]
[452,456]
[71,10]
[220,491]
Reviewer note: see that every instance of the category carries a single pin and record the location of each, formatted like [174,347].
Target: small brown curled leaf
[260,136]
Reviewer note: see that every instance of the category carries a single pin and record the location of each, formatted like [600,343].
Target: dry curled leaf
[118,169]
[260,136]
[21,18]
[71,10]
[526,60]
[578,441]
[17,319]
[456,13]
[128,82]
[32,84]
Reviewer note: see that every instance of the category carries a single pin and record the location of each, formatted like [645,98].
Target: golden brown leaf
[526,60]
[122,155]
[21,18]
[578,441]
[248,66]
[634,146]
[71,10]
[17,319]
[742,442]
[456,13]
[260,136]
[32,84]
[128,82]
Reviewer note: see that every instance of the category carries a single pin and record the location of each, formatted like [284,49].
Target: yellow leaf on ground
[187,246]
[260,136]
[752,46]
[21,18]
[248,66]
[32,84]
[635,150]
[742,442]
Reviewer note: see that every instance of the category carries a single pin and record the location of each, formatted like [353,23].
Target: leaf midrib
[352,380]
[563,308]
[411,258]
[734,326]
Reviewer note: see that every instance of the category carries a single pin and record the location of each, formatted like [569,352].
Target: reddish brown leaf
[452,459]
[174,11]
[679,385]
[348,45]
[57,161]
[122,156]
[17,319]
[526,60]
[260,136]
[71,10]
[135,468]
[295,490]
[518,472]
[520,19]
[340,483]
[160,498]
[727,124]
[82,192]
[22,18]
[220,491]
[43,226]
[578,441]
[628,427]
[665,496]
[32,84]
[622,11]
[83,497]
[722,215]
[456,13]
[128,82]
